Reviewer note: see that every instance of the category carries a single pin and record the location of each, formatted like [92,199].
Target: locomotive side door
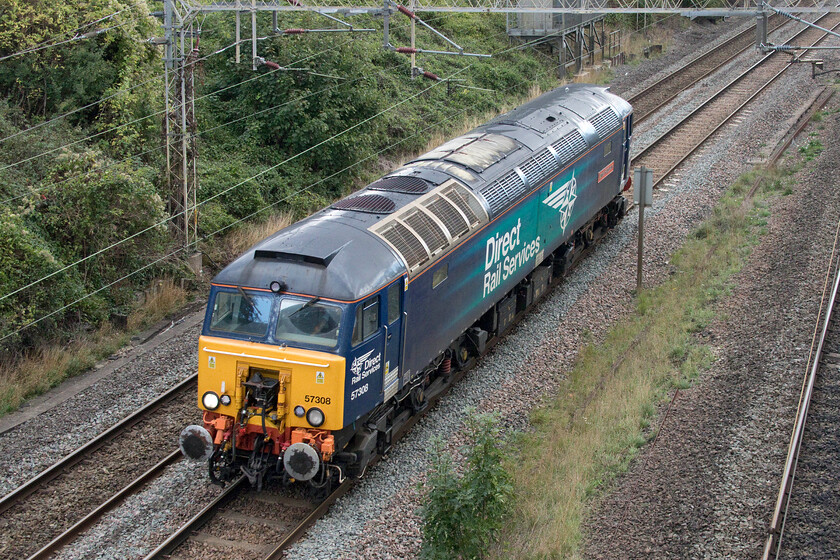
[393,338]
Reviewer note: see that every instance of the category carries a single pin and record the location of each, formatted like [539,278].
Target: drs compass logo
[563,200]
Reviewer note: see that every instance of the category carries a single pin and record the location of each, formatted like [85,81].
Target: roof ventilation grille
[605,122]
[406,243]
[371,203]
[570,146]
[539,167]
[449,216]
[427,229]
[503,192]
[454,195]
[400,184]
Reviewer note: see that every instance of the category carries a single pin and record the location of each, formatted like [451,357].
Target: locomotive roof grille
[370,203]
[460,200]
[427,229]
[570,146]
[448,213]
[408,245]
[503,192]
[605,122]
[539,167]
[401,184]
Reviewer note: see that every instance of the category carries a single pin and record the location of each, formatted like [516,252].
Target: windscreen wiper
[309,303]
[248,299]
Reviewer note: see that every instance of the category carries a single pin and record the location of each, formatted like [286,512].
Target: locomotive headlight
[299,411]
[210,400]
[315,417]
[225,399]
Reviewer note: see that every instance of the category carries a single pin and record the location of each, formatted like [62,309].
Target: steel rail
[774,539]
[800,124]
[703,58]
[177,538]
[106,506]
[313,516]
[69,461]
[697,111]
[772,546]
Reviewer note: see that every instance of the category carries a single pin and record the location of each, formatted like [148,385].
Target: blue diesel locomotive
[321,341]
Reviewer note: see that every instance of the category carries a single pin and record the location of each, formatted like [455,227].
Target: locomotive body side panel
[577,192]
[491,262]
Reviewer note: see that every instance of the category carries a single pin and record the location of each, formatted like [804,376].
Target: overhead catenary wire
[160,77]
[266,207]
[162,146]
[113,95]
[180,249]
[151,115]
[172,217]
[251,178]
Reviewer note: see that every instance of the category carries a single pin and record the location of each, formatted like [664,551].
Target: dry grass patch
[35,374]
[236,242]
[591,431]
[162,298]
[51,364]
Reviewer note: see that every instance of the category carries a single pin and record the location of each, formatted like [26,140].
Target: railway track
[805,517]
[53,507]
[657,95]
[248,524]
[665,154]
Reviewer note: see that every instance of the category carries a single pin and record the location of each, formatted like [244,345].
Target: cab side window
[367,320]
[394,301]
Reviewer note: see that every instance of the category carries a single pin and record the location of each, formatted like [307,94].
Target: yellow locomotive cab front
[267,402]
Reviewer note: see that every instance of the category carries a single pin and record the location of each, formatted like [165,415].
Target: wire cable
[12,199]
[251,178]
[157,113]
[162,146]
[161,76]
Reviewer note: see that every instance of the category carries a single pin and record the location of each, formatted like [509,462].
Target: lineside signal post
[642,196]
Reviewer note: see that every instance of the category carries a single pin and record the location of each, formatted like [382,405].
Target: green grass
[811,150]
[52,364]
[604,413]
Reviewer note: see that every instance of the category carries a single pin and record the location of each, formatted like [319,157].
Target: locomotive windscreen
[241,313]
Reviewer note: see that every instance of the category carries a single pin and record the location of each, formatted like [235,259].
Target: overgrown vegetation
[811,150]
[463,514]
[604,412]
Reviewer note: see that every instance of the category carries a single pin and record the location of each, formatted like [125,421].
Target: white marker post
[642,196]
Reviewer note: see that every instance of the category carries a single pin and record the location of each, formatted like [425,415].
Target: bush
[25,255]
[463,515]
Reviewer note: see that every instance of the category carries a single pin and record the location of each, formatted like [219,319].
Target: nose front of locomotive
[270,408]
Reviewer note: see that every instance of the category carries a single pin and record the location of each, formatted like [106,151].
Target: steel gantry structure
[181,37]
